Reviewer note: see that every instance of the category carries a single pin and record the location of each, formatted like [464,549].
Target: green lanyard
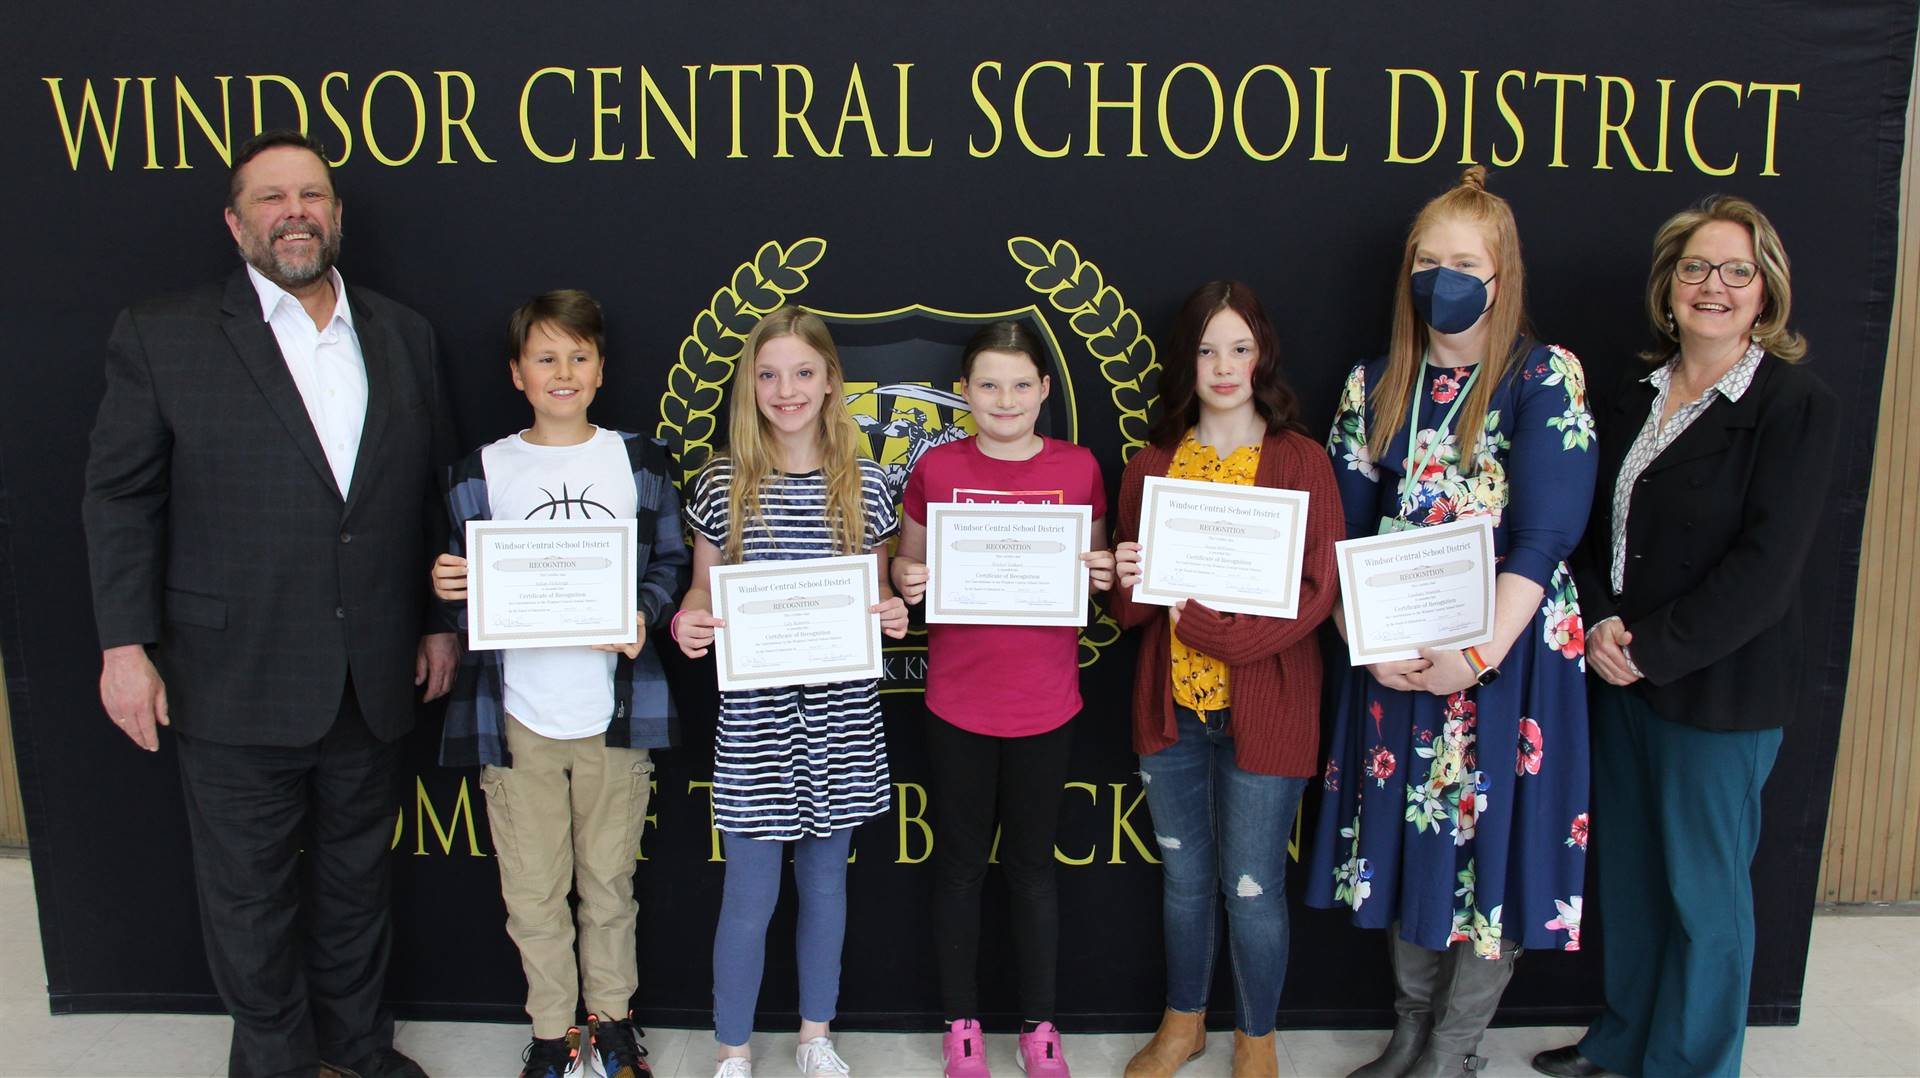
[1415,468]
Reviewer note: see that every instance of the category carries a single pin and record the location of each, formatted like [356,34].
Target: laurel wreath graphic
[1099,315]
[1102,319]
[1111,331]
[698,381]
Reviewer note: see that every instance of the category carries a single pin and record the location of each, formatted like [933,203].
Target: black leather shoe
[1566,1063]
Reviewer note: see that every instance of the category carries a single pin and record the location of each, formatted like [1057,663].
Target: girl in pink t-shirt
[1001,697]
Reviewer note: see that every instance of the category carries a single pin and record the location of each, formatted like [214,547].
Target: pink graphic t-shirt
[1004,680]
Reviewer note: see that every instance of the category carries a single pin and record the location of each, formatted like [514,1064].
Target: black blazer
[1719,528]
[218,537]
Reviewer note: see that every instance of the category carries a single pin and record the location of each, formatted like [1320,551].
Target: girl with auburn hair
[1226,707]
[1456,783]
[795,766]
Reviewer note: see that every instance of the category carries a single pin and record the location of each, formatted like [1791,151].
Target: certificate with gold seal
[1007,564]
[1232,548]
[803,622]
[551,583]
[1426,587]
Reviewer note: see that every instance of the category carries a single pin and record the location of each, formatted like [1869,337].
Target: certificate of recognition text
[1007,564]
[551,583]
[1233,548]
[801,622]
[1426,587]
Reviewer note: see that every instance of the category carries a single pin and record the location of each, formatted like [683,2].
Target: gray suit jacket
[217,534]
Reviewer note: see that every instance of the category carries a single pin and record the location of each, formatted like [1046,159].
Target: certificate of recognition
[796,622]
[1423,588]
[992,564]
[550,583]
[1231,547]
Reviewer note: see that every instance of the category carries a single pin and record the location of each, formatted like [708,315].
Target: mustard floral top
[1200,680]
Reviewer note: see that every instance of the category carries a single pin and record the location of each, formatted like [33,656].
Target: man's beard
[290,272]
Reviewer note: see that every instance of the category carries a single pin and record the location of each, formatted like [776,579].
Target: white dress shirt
[327,368]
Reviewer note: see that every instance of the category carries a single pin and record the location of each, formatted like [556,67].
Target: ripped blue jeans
[1222,834]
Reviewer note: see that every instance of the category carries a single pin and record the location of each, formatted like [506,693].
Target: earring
[1671,328]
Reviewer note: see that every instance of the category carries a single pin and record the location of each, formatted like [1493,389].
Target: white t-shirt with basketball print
[560,692]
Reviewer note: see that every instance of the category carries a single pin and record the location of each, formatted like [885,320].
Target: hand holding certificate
[796,622]
[1425,588]
[1007,564]
[549,583]
[1235,549]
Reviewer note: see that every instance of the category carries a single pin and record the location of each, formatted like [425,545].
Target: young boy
[563,733]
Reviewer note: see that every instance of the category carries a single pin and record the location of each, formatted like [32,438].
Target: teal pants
[1676,820]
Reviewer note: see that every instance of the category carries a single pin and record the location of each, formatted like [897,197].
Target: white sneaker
[735,1067]
[817,1059]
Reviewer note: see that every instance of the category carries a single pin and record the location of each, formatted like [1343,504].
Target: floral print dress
[1464,817]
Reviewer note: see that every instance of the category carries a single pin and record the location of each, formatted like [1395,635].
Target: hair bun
[1475,177]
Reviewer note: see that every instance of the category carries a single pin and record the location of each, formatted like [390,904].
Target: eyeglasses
[1734,274]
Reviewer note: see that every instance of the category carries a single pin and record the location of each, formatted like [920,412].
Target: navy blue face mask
[1448,300]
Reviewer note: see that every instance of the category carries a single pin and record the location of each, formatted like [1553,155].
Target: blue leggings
[740,941]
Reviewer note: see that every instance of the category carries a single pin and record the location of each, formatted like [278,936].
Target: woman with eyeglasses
[1712,472]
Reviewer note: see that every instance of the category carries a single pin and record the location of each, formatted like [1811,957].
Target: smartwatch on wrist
[1483,674]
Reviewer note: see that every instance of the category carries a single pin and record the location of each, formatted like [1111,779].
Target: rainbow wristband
[673,626]
[1474,662]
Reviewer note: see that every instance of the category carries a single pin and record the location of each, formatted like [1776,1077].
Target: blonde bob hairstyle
[1670,245]
[755,455]
[1469,201]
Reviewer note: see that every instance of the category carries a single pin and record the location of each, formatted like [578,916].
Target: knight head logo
[903,378]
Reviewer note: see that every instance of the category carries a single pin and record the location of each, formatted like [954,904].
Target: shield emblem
[902,370]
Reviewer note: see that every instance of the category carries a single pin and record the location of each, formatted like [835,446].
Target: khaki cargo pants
[568,815]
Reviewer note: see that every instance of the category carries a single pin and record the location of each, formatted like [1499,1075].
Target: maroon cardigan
[1273,664]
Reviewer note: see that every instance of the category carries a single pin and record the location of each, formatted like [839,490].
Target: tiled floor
[1861,1017]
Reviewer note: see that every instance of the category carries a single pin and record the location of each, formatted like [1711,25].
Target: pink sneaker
[965,1049]
[1040,1054]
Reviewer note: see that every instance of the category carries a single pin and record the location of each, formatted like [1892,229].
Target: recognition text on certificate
[1236,549]
[1007,564]
[550,583]
[797,622]
[1428,587]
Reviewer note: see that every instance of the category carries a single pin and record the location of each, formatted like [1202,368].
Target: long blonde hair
[1770,329]
[1470,201]
[754,456]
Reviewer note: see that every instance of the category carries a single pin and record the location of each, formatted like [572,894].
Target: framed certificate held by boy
[551,583]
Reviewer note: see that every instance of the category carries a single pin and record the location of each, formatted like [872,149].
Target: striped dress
[804,761]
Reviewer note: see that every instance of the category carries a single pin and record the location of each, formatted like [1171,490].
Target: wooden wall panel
[1873,827]
[13,818]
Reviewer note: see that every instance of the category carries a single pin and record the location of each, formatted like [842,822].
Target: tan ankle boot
[1255,1057]
[1181,1037]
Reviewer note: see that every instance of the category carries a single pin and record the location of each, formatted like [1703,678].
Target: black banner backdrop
[909,169]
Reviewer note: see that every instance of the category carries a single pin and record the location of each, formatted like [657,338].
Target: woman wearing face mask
[1456,783]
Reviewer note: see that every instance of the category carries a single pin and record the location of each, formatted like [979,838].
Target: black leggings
[1019,780]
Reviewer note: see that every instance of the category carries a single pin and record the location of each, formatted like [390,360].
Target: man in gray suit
[261,510]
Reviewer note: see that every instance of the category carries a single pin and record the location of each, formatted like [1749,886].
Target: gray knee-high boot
[1462,1011]
[1417,973]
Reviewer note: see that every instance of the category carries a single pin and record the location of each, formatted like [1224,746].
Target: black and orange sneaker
[618,1046]
[556,1057]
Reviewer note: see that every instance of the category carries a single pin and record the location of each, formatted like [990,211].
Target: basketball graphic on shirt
[569,506]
